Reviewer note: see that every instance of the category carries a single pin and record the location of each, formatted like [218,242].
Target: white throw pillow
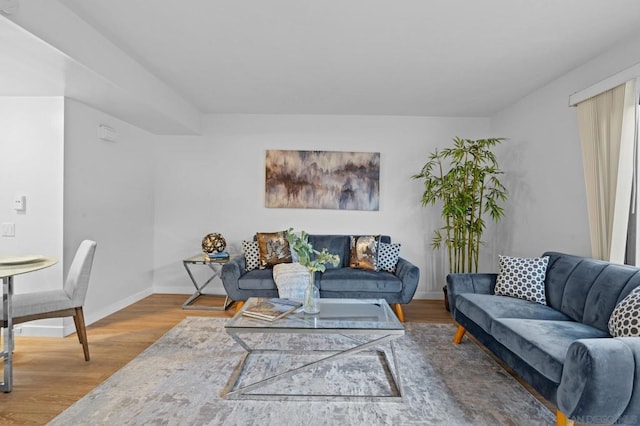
[291,279]
[625,318]
[523,278]
[251,254]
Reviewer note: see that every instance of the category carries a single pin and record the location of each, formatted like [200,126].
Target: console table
[215,265]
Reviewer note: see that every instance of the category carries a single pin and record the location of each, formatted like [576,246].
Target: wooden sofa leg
[459,335]
[561,419]
[239,304]
[399,312]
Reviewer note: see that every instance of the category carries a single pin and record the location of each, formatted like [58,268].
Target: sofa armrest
[231,273]
[599,379]
[468,283]
[409,274]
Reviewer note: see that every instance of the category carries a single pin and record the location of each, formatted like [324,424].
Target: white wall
[215,183]
[108,197]
[31,153]
[31,164]
[543,161]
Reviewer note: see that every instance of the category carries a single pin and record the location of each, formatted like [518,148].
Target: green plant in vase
[313,260]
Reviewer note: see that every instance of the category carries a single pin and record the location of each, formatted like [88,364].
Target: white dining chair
[64,302]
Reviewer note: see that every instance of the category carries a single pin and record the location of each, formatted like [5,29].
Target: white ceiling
[390,57]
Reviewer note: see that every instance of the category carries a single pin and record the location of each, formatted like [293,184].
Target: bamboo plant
[465,178]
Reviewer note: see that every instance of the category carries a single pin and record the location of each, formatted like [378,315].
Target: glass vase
[311,303]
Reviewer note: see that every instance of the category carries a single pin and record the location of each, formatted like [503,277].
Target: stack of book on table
[223,255]
[271,309]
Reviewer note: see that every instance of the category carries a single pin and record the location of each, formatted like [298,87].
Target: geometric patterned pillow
[388,256]
[625,318]
[522,277]
[251,253]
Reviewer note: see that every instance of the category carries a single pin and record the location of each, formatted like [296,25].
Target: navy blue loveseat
[336,282]
[564,349]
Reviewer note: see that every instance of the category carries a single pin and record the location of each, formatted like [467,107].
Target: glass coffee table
[351,328]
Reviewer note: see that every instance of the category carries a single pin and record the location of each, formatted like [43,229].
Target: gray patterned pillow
[523,278]
[251,254]
[388,255]
[625,318]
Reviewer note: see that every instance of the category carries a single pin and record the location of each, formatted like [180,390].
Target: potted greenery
[313,260]
[465,179]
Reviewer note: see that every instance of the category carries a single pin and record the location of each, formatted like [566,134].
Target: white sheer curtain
[607,134]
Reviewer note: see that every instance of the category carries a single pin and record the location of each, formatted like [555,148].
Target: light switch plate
[8,229]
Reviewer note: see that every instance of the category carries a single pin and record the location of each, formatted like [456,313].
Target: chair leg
[459,335]
[399,312]
[81,330]
[239,304]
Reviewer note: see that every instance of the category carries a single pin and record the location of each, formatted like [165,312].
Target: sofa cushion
[335,244]
[588,290]
[484,308]
[354,280]
[258,279]
[542,344]
[522,277]
[625,319]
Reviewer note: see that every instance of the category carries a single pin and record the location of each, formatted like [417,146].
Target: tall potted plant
[465,179]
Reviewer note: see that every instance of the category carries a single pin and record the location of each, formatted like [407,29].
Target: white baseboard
[34,329]
[213,288]
[429,295]
[90,318]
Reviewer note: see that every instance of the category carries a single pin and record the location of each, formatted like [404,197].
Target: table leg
[231,392]
[7,324]
[198,292]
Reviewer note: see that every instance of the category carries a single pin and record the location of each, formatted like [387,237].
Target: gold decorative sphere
[213,243]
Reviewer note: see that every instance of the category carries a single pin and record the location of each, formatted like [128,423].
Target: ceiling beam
[46,48]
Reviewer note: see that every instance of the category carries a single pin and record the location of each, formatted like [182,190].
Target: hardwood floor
[50,374]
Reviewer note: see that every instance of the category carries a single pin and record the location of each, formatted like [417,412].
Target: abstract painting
[322,180]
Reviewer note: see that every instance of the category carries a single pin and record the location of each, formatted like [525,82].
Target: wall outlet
[8,229]
[20,203]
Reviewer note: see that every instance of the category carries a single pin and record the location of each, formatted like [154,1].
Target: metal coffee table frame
[358,331]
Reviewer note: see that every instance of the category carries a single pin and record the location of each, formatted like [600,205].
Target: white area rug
[179,379]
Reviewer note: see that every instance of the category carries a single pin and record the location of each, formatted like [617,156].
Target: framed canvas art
[322,180]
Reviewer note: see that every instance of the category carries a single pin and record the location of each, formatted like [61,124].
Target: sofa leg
[561,419]
[459,335]
[239,304]
[399,312]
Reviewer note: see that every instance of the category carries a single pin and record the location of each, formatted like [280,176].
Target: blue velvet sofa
[564,349]
[336,282]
